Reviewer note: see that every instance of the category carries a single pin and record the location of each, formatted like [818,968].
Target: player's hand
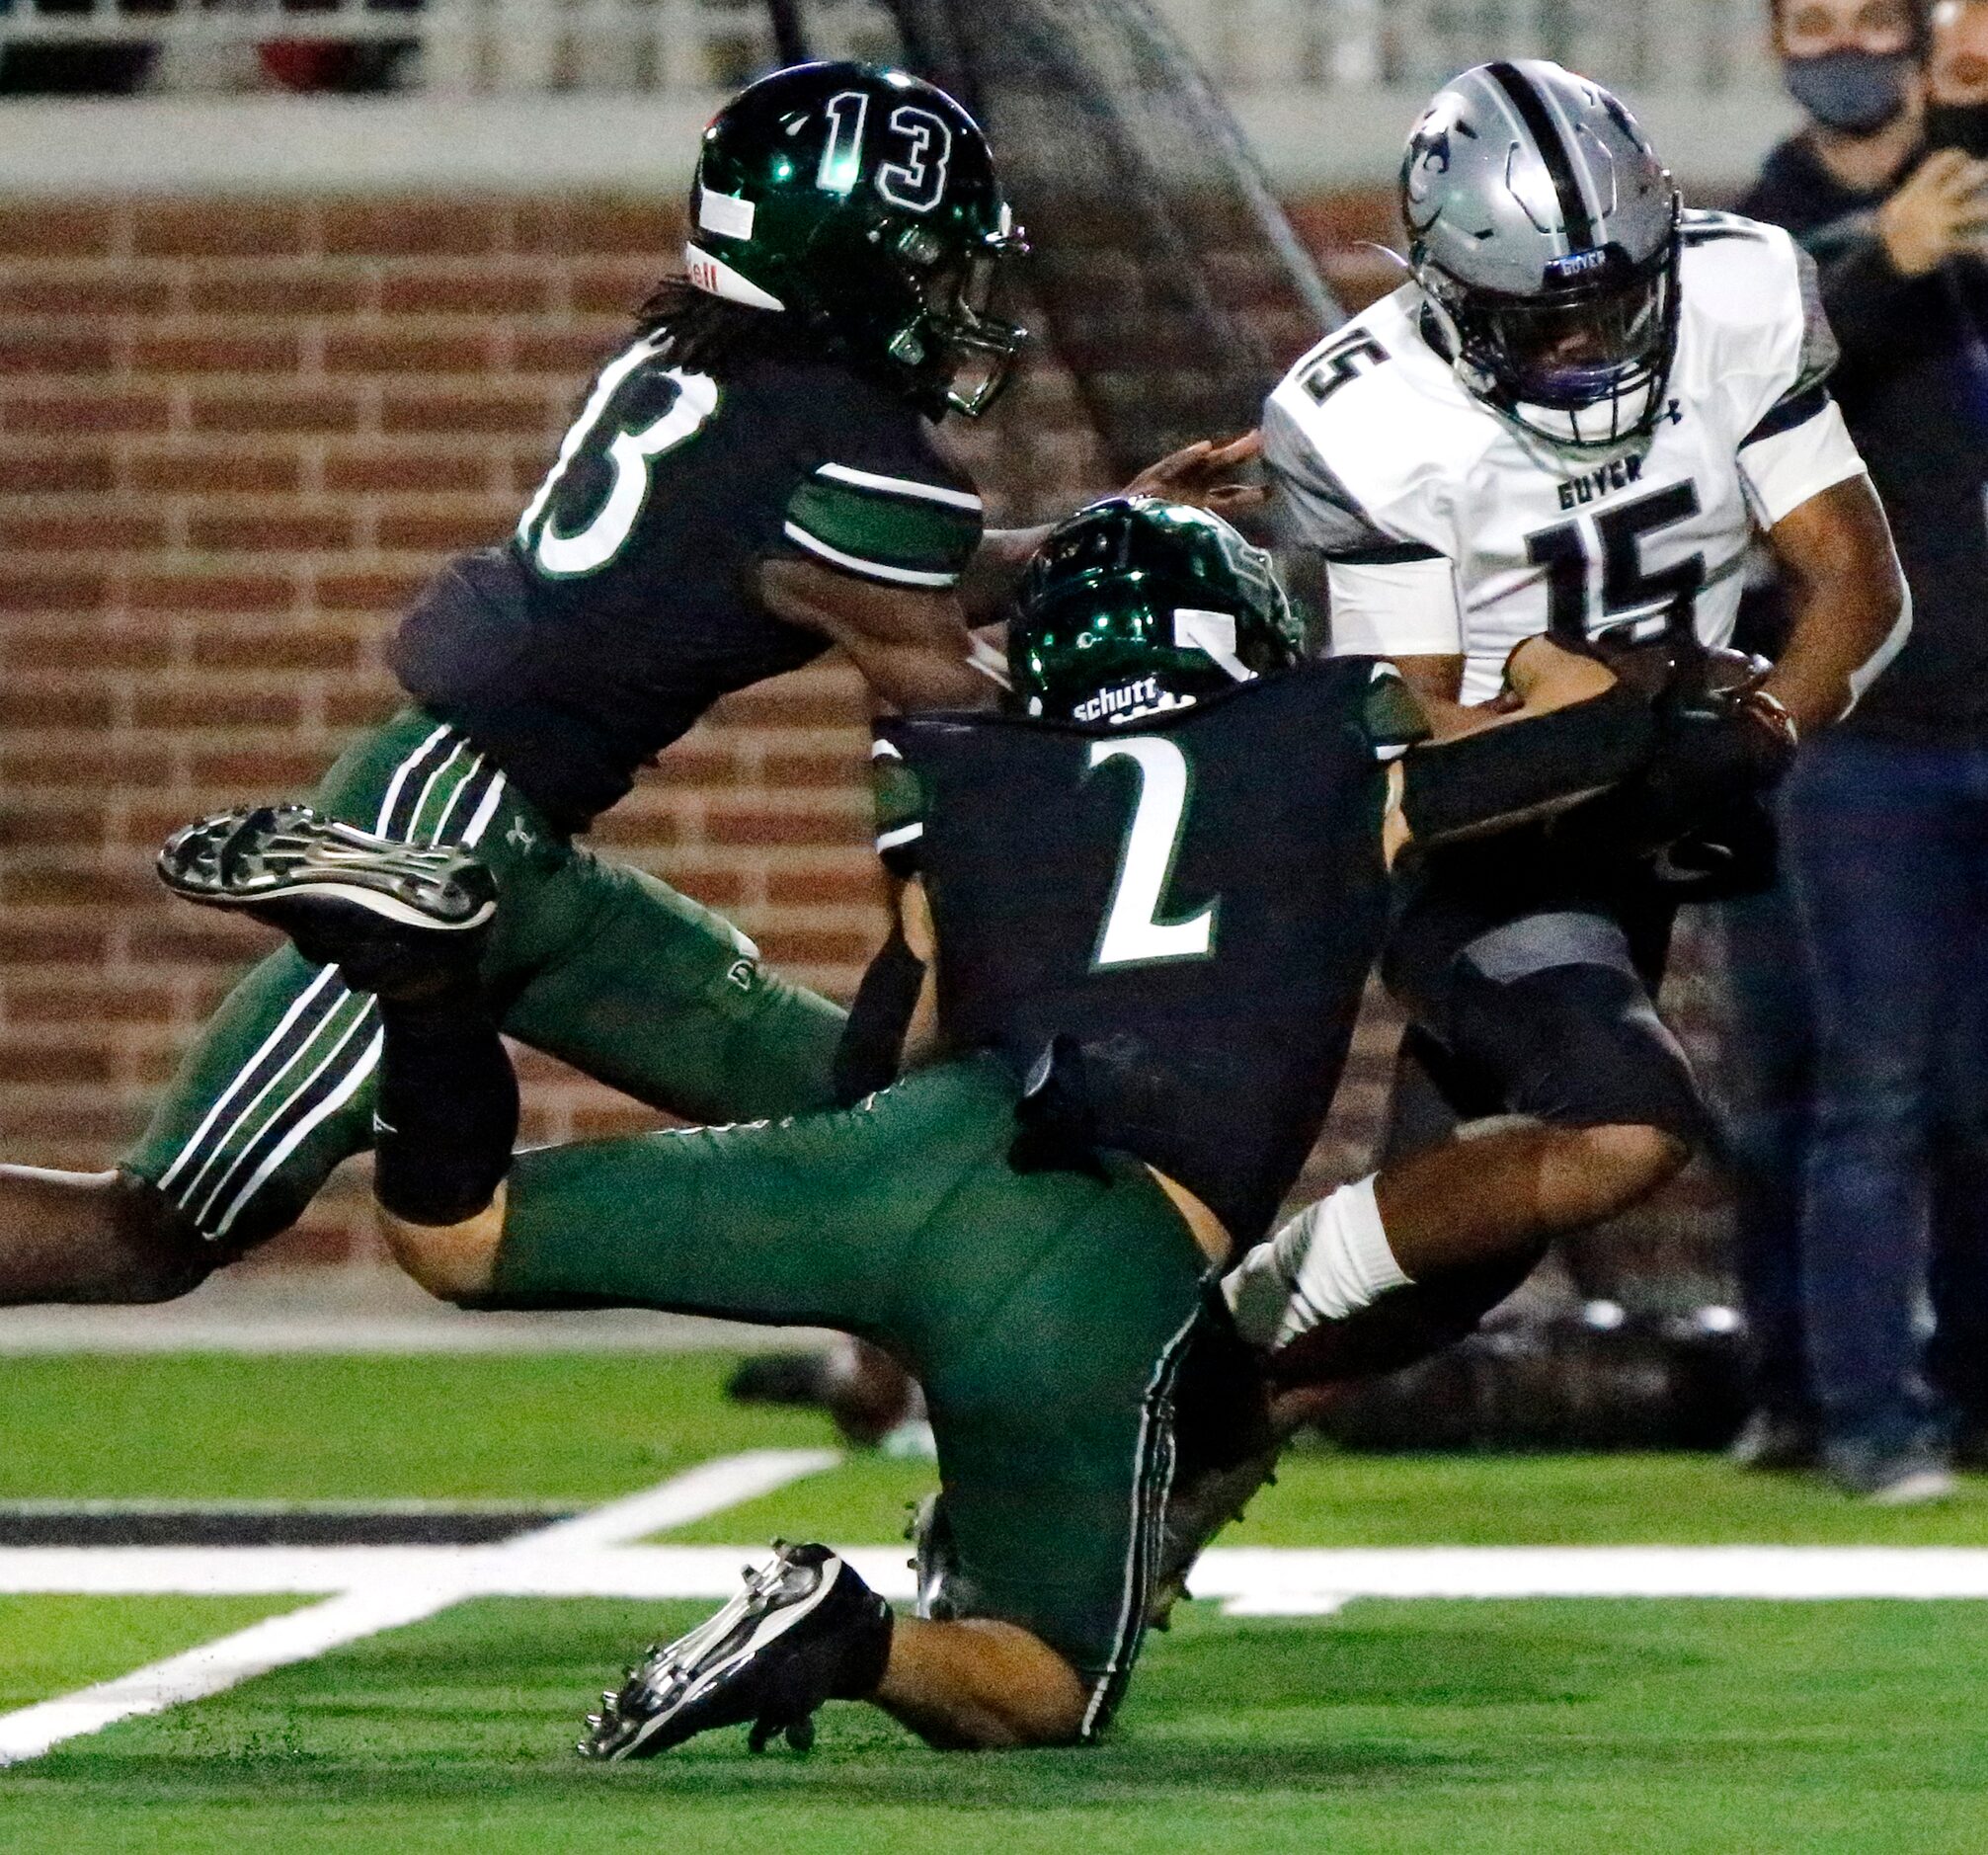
[1940,212]
[1715,748]
[1201,474]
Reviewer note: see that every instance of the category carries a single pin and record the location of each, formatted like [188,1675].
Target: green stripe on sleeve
[907,533]
[901,808]
[1390,716]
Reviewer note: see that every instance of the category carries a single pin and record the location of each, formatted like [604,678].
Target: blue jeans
[1768,1084]
[1887,853]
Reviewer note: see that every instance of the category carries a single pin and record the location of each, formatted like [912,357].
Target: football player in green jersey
[752,479]
[1138,912]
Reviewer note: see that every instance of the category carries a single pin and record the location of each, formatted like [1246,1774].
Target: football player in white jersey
[1578,417]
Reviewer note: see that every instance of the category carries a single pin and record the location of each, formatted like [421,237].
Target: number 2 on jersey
[629,454]
[1134,934]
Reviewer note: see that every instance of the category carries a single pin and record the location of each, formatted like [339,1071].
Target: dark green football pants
[1044,1313]
[602,966]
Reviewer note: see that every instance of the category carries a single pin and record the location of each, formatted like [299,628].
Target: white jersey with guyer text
[1448,529]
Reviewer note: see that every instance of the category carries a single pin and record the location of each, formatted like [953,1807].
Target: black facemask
[1963,125]
[1855,93]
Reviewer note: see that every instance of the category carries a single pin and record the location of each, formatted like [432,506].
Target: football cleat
[384,912]
[805,1630]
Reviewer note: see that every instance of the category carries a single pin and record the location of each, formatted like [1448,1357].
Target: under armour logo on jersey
[382,1127]
[1674,412]
[519,836]
[741,974]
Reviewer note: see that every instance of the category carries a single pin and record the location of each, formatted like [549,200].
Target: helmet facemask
[1584,363]
[955,340]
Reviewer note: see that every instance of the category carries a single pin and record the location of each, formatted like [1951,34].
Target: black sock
[446,1111]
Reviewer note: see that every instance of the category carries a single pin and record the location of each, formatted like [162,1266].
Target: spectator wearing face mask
[1886,819]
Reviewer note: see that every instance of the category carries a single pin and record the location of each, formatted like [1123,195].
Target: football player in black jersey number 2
[1138,913]
[752,480]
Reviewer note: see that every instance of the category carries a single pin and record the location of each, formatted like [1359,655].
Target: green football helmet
[1136,605]
[864,201]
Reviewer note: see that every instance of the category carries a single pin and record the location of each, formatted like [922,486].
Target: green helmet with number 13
[864,201]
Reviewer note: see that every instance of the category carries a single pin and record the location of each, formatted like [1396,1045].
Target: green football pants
[1044,1313]
[602,966]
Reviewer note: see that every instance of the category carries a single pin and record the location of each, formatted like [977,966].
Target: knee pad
[1552,1005]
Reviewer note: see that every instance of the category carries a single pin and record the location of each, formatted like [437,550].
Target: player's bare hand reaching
[1201,473]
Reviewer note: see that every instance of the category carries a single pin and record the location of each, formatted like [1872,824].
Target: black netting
[1166,277]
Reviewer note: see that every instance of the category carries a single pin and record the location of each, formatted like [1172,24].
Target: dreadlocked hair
[710,335]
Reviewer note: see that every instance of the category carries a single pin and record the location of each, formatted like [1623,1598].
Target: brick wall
[234,440]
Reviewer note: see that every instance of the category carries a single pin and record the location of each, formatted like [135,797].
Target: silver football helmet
[1544,232]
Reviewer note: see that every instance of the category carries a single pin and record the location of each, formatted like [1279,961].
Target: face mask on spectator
[1963,125]
[1853,92]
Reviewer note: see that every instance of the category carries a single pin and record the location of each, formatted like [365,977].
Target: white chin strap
[716,278]
[1607,422]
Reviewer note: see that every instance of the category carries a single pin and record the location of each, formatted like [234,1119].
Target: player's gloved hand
[1722,740]
[1722,743]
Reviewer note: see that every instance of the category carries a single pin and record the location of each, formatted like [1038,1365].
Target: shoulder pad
[1364,432]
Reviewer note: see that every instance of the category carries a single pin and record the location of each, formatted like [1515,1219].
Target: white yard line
[375,1591]
[708,1488]
[272,1643]
[1260,1577]
[1248,1581]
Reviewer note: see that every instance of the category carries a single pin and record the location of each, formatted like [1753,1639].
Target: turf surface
[523,1427]
[585,1427]
[1389,1728]
[1446,1727]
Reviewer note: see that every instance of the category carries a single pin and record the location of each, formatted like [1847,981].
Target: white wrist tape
[1329,1261]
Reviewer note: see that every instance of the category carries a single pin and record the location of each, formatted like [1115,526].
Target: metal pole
[790,38]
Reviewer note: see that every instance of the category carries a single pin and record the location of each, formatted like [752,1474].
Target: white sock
[1329,1261]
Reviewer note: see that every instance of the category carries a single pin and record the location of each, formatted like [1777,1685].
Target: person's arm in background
[1874,267]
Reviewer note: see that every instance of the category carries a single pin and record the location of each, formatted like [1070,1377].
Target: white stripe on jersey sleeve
[1404,609]
[901,486]
[1783,472]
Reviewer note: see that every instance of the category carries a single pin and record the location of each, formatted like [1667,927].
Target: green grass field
[1437,1726]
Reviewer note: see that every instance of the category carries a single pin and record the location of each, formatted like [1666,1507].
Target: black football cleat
[805,1630]
[388,914]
